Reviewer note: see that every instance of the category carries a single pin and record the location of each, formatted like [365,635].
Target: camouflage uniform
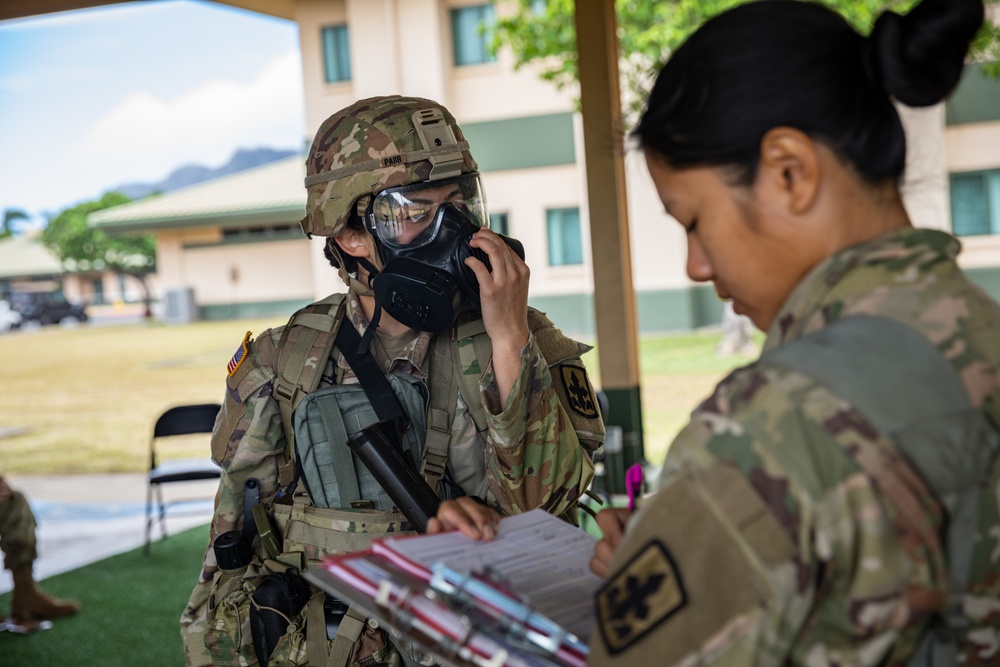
[17,532]
[767,543]
[535,455]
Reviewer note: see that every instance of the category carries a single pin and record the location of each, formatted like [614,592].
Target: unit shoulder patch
[641,595]
[577,386]
[241,354]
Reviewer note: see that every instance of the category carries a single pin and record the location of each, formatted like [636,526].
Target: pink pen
[633,483]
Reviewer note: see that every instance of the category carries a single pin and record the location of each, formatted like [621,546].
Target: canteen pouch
[228,635]
[333,476]
[277,601]
[310,534]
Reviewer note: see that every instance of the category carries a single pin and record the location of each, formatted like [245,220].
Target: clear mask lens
[408,216]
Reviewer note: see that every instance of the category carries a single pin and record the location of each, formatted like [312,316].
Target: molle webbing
[303,350]
[443,392]
[467,345]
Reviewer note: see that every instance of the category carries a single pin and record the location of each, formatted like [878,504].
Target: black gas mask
[424,233]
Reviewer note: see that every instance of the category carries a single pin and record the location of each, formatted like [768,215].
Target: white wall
[249,272]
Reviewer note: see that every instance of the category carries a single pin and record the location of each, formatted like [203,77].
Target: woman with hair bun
[837,502]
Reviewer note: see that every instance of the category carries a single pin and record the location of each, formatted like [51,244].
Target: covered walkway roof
[269,194]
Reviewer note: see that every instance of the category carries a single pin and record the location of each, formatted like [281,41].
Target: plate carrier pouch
[308,532]
[935,422]
[323,422]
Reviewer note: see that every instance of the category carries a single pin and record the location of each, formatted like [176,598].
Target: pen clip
[634,480]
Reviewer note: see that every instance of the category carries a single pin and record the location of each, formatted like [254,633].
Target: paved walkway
[86,518]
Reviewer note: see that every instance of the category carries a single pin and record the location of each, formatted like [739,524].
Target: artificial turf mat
[131,604]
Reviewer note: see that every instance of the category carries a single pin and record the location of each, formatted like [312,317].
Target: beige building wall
[233,273]
[925,183]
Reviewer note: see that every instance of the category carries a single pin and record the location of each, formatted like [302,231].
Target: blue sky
[94,98]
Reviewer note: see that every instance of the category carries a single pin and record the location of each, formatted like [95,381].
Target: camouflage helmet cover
[368,147]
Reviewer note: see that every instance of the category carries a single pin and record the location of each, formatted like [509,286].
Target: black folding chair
[180,420]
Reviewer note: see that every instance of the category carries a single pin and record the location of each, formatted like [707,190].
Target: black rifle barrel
[383,458]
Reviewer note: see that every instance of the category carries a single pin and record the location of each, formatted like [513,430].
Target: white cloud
[146,137]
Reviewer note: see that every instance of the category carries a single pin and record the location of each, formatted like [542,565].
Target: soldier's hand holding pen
[612,522]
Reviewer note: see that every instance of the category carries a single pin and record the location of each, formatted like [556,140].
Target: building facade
[240,253]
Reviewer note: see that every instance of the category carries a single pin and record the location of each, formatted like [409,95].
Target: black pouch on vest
[278,598]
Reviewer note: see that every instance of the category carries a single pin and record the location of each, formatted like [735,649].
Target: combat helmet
[374,144]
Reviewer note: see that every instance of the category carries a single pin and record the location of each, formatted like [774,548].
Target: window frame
[556,246]
[331,50]
[964,212]
[502,217]
[485,21]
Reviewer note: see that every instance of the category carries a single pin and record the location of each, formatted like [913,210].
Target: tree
[542,32]
[9,216]
[81,247]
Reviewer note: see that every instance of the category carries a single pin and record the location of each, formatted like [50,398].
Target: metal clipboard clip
[489,601]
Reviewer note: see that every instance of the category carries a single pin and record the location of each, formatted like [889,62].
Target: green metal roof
[273,193]
[24,257]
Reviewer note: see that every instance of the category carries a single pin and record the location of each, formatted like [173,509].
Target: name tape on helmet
[388,161]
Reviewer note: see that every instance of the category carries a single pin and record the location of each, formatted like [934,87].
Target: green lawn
[131,605]
[88,396]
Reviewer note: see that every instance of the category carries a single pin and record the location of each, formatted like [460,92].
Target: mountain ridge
[192,174]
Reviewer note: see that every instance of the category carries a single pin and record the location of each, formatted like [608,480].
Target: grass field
[88,396]
[131,604]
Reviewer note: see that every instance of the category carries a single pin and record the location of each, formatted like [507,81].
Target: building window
[975,203]
[565,241]
[255,234]
[499,223]
[472,32]
[98,287]
[336,54]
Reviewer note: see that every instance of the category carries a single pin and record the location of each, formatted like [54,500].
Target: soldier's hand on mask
[612,524]
[473,519]
[503,291]
[503,294]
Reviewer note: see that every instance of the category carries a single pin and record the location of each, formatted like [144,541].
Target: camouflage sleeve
[246,439]
[534,455]
[766,544]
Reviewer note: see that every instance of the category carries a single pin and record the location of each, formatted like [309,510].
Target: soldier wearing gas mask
[505,417]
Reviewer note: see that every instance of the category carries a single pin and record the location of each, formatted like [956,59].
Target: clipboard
[460,601]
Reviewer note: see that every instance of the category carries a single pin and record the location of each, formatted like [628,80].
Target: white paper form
[544,559]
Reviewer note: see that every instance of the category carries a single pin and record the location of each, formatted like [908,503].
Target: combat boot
[29,603]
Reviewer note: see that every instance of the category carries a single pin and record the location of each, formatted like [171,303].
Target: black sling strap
[376,386]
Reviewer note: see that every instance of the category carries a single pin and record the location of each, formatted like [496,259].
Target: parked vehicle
[47,308]
[9,318]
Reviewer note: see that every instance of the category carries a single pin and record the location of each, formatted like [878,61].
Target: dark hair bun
[918,58]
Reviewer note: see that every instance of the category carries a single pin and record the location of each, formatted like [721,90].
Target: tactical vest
[309,533]
[911,393]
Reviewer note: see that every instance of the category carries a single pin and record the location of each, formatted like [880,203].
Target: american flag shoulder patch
[241,354]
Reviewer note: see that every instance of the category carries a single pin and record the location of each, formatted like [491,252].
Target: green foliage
[81,247]
[9,216]
[543,34]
